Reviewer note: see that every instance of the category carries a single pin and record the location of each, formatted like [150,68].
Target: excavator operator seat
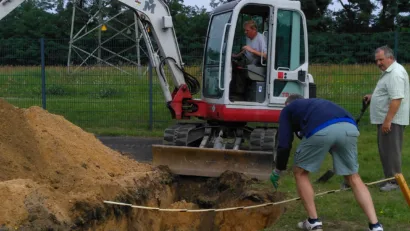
[257,73]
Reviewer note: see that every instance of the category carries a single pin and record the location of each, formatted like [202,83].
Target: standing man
[326,127]
[389,110]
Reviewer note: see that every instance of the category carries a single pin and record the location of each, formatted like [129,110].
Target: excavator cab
[268,80]
[249,71]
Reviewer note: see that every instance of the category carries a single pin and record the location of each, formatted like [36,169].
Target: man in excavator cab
[255,44]
[250,55]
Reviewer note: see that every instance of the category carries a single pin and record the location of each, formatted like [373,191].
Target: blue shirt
[306,116]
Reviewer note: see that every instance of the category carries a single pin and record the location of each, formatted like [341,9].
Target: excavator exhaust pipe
[210,162]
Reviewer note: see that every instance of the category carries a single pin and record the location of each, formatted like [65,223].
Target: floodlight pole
[100,20]
[138,38]
[71,37]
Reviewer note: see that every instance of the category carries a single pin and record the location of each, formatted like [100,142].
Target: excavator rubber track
[189,149]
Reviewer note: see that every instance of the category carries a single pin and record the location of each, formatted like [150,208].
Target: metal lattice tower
[95,32]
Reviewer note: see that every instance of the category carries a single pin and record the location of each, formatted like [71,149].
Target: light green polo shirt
[392,84]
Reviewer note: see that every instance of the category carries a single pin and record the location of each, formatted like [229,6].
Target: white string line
[235,208]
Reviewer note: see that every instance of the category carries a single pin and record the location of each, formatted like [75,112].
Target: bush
[56,90]
[107,92]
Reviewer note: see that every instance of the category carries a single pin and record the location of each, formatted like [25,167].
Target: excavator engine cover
[209,162]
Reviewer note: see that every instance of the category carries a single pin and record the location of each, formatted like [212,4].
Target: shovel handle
[365,105]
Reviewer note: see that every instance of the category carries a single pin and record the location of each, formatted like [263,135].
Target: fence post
[396,44]
[43,75]
[151,100]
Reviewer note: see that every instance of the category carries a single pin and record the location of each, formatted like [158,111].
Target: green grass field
[106,101]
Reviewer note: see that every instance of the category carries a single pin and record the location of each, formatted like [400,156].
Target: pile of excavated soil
[55,176]
[48,164]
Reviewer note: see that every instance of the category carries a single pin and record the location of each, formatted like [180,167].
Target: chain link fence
[114,96]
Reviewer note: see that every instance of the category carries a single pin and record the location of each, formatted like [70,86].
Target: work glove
[274,178]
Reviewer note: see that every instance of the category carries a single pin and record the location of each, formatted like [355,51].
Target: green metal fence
[119,97]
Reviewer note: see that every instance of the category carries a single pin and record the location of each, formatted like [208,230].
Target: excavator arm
[7,6]
[155,16]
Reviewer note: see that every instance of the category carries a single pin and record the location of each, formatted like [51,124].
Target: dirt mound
[55,176]
[47,164]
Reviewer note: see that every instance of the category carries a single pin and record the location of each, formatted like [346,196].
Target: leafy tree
[331,34]
[389,17]
[355,16]
[190,25]
[215,3]
[317,16]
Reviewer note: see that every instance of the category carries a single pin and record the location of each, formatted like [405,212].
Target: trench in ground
[229,190]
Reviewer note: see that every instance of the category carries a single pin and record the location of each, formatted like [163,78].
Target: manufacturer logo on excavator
[149,5]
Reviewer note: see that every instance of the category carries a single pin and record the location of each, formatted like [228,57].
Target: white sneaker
[389,187]
[378,228]
[305,225]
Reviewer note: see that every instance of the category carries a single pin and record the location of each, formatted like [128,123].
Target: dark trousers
[390,146]
[239,82]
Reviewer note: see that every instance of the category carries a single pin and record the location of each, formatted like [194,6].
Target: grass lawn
[339,211]
[107,101]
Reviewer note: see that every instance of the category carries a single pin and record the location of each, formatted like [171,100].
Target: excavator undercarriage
[209,149]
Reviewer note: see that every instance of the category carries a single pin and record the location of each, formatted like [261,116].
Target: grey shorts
[340,140]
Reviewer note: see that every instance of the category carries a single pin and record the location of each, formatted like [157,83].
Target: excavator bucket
[208,162]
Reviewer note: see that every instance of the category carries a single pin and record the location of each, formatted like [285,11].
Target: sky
[334,6]
[199,3]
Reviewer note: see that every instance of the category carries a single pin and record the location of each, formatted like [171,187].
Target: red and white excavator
[221,130]
[219,135]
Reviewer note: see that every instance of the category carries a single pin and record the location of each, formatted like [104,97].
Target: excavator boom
[6,6]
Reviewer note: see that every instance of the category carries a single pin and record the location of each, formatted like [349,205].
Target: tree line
[345,35]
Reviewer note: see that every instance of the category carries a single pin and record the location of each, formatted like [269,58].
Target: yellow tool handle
[403,186]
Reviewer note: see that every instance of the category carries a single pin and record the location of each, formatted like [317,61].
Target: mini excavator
[222,130]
